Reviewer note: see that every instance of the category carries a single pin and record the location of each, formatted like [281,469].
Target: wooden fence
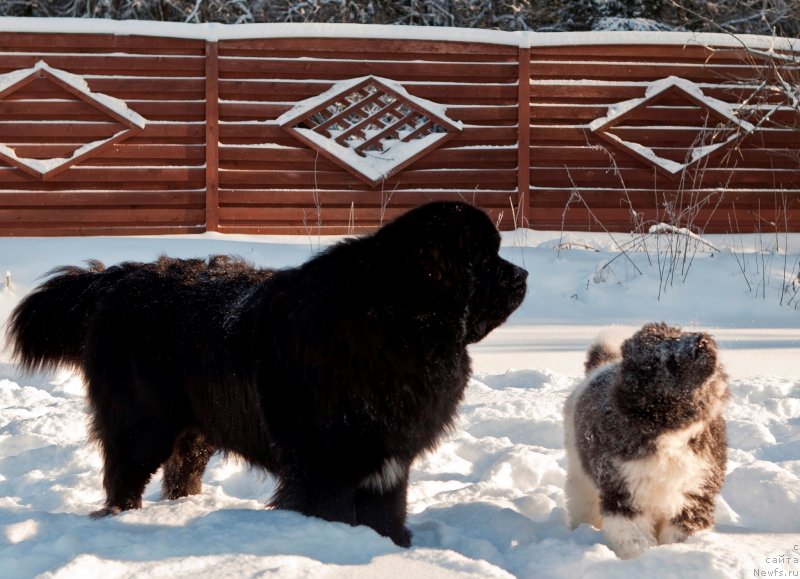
[542,130]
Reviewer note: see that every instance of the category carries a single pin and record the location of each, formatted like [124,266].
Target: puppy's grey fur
[645,438]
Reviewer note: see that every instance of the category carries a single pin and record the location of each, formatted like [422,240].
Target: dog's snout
[701,347]
[520,280]
[517,275]
[704,342]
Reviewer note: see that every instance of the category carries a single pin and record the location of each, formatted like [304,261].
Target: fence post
[524,137]
[212,136]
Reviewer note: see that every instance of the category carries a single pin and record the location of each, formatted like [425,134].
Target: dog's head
[448,255]
[668,377]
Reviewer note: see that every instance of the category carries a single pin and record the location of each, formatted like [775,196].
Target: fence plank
[212,136]
[524,139]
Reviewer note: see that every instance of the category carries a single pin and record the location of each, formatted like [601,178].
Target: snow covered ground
[490,501]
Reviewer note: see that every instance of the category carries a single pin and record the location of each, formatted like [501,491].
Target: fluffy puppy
[334,375]
[645,438]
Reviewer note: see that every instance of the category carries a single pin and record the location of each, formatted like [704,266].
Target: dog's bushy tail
[604,350]
[47,329]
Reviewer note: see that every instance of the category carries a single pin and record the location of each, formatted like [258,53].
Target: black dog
[334,375]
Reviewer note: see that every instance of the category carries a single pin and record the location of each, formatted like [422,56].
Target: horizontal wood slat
[344,197]
[370,48]
[643,71]
[640,199]
[104,215]
[101,198]
[116,64]
[235,68]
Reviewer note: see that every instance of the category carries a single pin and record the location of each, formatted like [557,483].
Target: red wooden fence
[213,154]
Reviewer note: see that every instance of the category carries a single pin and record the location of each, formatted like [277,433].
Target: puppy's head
[448,253]
[668,377]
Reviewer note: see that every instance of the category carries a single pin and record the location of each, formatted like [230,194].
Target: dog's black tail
[604,350]
[47,329]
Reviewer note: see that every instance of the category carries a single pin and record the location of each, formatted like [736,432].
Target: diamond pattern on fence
[711,125]
[370,126]
[70,86]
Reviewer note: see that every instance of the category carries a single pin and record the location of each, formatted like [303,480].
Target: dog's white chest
[660,483]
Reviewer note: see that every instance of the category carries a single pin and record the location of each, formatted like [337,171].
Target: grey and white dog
[645,438]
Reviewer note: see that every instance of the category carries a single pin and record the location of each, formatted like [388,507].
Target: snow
[374,165]
[9,79]
[666,228]
[489,501]
[43,166]
[668,165]
[213,32]
[629,24]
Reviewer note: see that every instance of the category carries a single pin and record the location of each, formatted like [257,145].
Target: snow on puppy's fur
[645,438]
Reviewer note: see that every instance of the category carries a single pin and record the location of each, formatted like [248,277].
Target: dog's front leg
[628,535]
[697,515]
[315,493]
[381,502]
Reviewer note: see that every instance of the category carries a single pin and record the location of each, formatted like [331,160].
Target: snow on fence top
[214,32]
[550,130]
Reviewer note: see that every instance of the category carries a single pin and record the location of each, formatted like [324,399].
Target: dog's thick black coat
[334,376]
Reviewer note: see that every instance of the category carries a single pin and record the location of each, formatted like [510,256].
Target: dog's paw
[105,512]
[402,538]
[671,533]
[628,537]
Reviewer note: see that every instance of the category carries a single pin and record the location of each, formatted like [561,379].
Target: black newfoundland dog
[334,376]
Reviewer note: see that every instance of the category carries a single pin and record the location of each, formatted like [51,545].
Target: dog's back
[50,327]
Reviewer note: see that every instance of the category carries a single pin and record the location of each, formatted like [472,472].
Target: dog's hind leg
[582,496]
[134,444]
[183,471]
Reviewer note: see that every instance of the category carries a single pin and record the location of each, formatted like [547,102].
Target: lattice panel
[370,126]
